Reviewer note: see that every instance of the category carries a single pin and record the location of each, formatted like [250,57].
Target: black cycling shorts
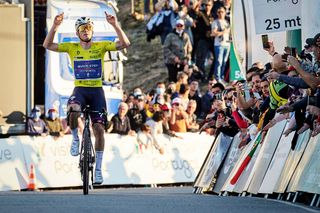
[92,96]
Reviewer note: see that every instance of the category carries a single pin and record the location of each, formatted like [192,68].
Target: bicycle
[87,153]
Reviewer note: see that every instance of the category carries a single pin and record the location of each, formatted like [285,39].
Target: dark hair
[264,79]
[218,85]
[183,88]
[158,116]
[255,74]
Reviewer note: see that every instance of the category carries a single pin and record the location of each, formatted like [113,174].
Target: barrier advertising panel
[242,163]
[229,163]
[125,162]
[268,148]
[14,175]
[216,157]
[303,166]
[277,164]
[310,176]
[292,162]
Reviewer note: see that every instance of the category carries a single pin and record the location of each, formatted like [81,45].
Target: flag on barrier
[246,161]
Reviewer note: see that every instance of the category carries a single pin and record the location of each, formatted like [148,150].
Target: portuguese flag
[246,161]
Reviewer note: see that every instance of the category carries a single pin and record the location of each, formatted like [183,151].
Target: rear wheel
[85,170]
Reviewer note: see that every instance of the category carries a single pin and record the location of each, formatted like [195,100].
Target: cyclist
[87,61]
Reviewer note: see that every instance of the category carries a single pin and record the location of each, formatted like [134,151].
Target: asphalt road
[168,199]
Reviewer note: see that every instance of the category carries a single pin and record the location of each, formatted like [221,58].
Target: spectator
[156,127]
[256,83]
[184,95]
[192,125]
[221,32]
[214,92]
[222,3]
[167,15]
[194,12]
[177,50]
[171,88]
[137,114]
[35,125]
[54,123]
[178,119]
[120,122]
[182,79]
[203,31]
[194,94]
[145,138]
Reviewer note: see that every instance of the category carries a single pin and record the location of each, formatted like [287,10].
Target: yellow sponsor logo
[88,83]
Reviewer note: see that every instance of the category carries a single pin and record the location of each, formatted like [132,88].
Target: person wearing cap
[177,50]
[87,61]
[178,119]
[35,125]
[54,123]
[137,114]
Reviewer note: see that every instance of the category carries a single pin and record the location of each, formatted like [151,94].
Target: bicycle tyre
[85,170]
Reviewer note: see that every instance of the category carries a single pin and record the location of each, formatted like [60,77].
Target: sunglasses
[87,27]
[179,25]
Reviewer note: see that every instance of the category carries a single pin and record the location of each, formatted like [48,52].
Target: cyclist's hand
[58,19]
[110,19]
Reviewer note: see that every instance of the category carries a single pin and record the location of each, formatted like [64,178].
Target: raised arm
[48,42]
[310,79]
[123,39]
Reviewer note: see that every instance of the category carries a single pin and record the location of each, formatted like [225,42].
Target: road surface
[166,199]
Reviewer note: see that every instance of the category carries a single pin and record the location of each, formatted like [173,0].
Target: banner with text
[276,15]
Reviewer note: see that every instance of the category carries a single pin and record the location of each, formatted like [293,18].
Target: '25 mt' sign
[276,15]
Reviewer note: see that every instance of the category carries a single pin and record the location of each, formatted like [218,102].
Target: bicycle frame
[87,154]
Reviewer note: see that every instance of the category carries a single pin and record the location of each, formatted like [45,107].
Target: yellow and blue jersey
[87,64]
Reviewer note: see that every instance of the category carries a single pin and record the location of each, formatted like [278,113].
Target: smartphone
[247,95]
[293,52]
[265,41]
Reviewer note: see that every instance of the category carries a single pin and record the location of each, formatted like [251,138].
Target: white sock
[74,133]
[99,156]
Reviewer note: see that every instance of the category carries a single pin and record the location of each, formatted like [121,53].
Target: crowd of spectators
[288,87]
[195,34]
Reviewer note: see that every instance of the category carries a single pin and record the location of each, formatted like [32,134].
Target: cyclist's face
[85,32]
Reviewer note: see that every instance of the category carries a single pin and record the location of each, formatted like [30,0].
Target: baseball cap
[139,97]
[176,101]
[312,41]
[53,109]
[36,109]
[180,21]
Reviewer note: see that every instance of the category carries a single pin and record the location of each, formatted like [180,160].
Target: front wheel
[85,162]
